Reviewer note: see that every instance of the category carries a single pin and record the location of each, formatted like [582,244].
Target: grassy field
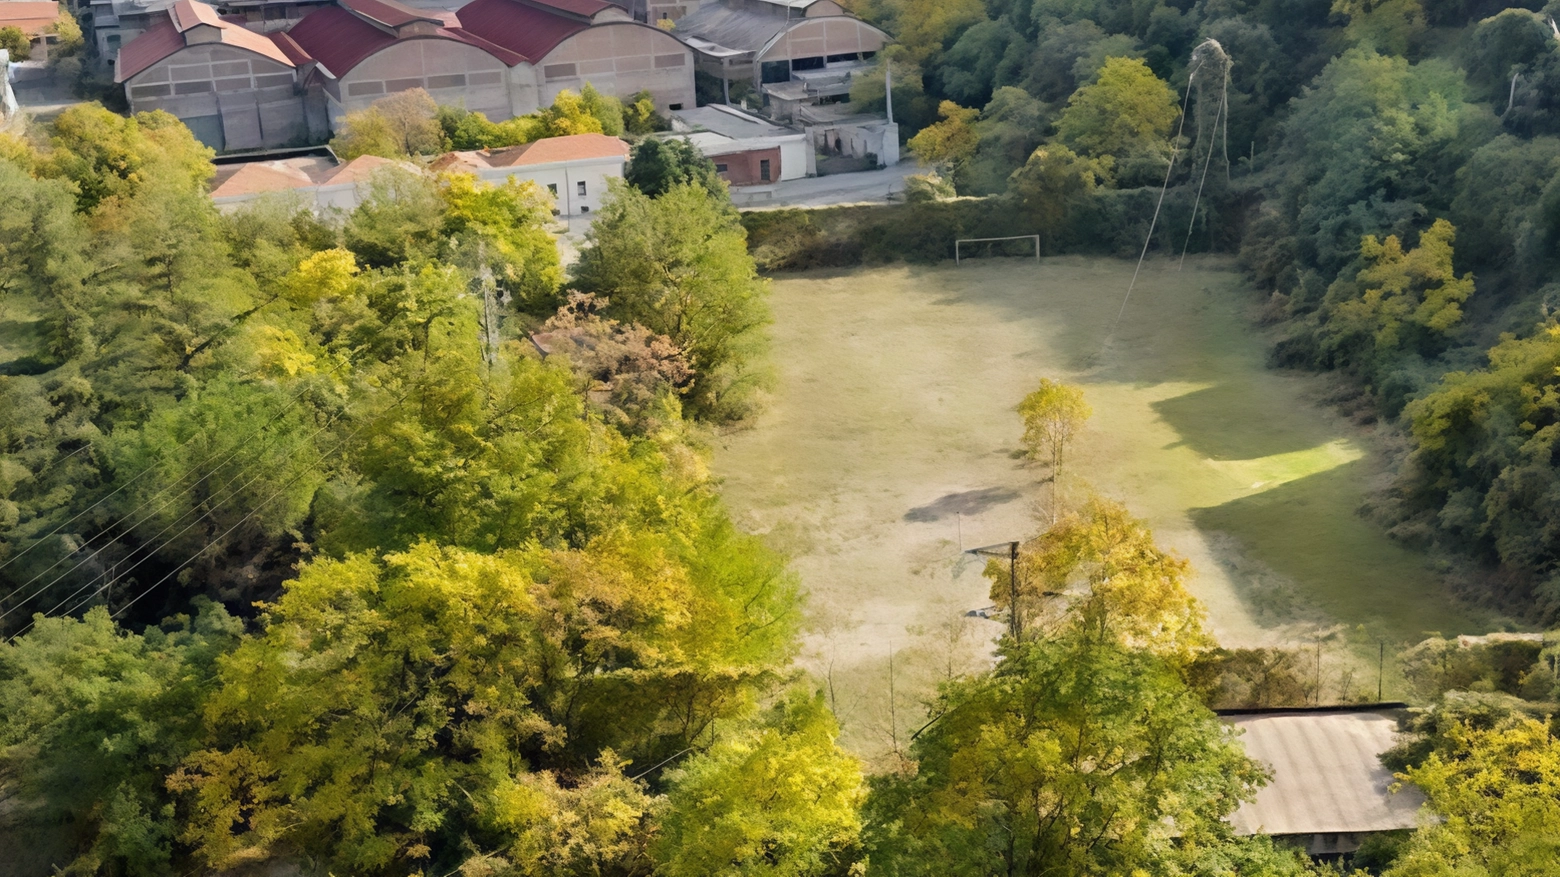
[891,442]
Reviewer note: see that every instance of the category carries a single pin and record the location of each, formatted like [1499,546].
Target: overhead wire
[1192,224]
[152,547]
[1175,151]
[262,504]
[119,522]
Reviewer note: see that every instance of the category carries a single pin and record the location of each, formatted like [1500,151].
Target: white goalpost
[959,242]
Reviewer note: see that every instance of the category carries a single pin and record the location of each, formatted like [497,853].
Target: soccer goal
[958,244]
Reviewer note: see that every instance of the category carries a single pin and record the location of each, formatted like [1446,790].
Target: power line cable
[1192,224]
[238,446]
[151,547]
[343,443]
[1175,150]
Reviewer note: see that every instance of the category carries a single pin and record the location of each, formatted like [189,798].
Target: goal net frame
[958,257]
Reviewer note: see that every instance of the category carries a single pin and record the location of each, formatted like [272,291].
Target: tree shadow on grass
[1308,532]
[969,502]
[1230,422]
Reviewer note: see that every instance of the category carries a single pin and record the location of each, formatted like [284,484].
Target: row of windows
[453,80]
[553,72]
[579,186]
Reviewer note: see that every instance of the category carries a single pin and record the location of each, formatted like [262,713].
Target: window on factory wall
[582,187]
[763,169]
[553,188]
[720,168]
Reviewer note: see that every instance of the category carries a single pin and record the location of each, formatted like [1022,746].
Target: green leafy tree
[402,124]
[390,699]
[781,798]
[92,720]
[13,40]
[1399,301]
[1052,185]
[1097,574]
[1127,114]
[106,154]
[678,265]
[655,166]
[640,116]
[952,141]
[1076,755]
[1392,27]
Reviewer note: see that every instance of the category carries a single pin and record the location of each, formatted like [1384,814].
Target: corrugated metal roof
[587,8]
[340,41]
[1327,774]
[388,12]
[187,14]
[156,43]
[289,46]
[165,38]
[529,31]
[740,30]
[263,176]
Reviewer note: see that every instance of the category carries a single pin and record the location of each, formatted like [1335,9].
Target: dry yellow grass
[891,440]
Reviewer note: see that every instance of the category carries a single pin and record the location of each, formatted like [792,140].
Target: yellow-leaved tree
[1052,416]
[1097,572]
[1399,301]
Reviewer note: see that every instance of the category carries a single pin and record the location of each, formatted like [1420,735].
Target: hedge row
[1111,222]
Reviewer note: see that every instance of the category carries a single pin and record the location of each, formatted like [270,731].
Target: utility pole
[1381,664]
[1010,549]
[888,88]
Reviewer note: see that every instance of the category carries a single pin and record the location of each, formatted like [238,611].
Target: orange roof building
[574,169]
[33,18]
[319,182]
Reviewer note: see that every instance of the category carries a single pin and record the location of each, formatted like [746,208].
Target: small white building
[573,169]
[747,150]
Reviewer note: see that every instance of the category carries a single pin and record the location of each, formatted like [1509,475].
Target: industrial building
[239,89]
[800,50]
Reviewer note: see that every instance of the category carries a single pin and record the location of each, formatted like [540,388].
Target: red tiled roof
[388,12]
[340,41]
[32,18]
[530,31]
[572,147]
[187,14]
[257,177]
[359,169]
[165,38]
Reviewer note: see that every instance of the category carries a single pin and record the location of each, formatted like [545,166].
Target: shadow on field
[1307,532]
[969,502]
[1226,422]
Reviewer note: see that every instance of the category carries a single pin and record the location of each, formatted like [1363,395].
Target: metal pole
[888,88]
[1381,663]
[1015,626]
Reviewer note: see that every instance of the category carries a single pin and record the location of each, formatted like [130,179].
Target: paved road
[863,187]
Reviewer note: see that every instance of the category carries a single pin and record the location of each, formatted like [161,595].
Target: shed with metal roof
[1329,788]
